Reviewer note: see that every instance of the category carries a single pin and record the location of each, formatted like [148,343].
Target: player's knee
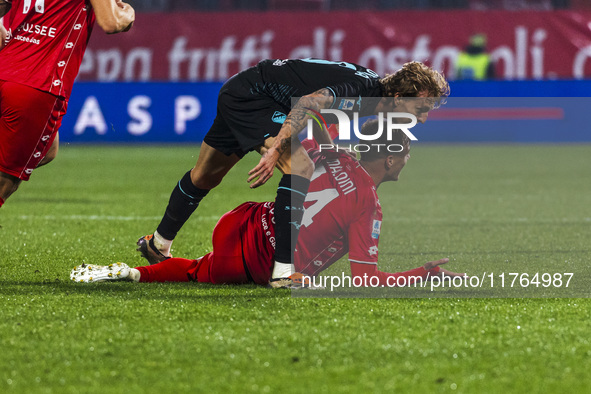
[51,153]
[48,158]
[8,185]
[206,182]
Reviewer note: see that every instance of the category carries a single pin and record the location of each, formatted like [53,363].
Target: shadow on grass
[222,294]
[168,290]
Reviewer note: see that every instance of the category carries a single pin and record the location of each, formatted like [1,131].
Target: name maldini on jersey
[344,182]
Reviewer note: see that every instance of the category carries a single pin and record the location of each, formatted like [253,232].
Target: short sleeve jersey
[343,214]
[348,82]
[45,43]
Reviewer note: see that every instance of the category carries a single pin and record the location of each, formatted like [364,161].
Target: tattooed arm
[297,119]
[295,122]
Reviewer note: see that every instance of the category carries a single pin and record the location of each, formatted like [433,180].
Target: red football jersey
[343,214]
[45,43]
[256,225]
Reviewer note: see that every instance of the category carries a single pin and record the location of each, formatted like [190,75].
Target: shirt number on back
[39,6]
[322,198]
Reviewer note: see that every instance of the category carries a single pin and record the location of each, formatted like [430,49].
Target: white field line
[213,217]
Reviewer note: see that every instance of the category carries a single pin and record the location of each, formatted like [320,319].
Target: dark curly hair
[414,78]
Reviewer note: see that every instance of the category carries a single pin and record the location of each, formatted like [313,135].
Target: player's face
[398,164]
[418,106]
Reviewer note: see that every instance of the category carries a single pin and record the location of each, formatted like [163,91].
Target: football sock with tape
[134,274]
[289,210]
[161,243]
[184,200]
[282,270]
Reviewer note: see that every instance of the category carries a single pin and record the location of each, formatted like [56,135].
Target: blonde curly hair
[414,78]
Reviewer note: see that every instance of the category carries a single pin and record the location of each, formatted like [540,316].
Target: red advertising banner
[214,46]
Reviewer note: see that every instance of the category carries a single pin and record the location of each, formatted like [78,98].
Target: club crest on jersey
[278,117]
[377,225]
[347,104]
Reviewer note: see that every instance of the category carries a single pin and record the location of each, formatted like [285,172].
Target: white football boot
[87,273]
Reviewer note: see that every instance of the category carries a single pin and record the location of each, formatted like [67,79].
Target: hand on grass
[432,264]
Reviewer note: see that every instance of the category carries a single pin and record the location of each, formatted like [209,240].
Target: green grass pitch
[519,208]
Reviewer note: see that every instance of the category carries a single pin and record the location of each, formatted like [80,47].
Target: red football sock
[1,201]
[170,270]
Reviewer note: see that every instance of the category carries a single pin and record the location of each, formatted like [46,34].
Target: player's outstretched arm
[113,16]
[442,271]
[428,270]
[294,123]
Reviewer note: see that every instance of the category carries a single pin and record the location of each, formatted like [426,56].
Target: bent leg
[212,165]
[225,264]
[29,120]
[206,269]
[215,269]
[218,154]
[8,185]
[297,168]
[52,152]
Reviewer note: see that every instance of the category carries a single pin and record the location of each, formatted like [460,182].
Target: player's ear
[389,161]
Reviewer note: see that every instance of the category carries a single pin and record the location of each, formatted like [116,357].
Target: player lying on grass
[343,215]
[254,112]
